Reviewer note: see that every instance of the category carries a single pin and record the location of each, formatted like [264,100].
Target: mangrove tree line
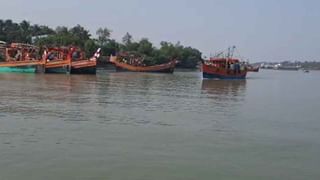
[42,35]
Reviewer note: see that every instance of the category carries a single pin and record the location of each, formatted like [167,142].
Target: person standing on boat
[232,68]
[18,55]
[242,66]
[237,67]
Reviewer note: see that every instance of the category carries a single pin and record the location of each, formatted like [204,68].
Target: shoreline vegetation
[44,36]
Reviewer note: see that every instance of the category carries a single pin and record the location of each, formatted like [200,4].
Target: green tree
[169,51]
[103,35]
[61,30]
[111,48]
[37,30]
[80,32]
[25,32]
[90,47]
[145,47]
[190,57]
[127,39]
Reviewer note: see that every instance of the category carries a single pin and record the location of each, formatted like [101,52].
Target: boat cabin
[56,54]
[19,52]
[64,53]
[224,67]
[224,63]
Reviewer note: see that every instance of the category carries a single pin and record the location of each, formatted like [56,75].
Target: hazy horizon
[262,30]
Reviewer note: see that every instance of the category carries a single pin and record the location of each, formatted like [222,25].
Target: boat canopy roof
[64,49]
[23,46]
[224,60]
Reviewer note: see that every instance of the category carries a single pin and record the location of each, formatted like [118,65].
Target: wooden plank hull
[59,67]
[162,68]
[19,69]
[84,67]
[57,70]
[84,70]
[21,66]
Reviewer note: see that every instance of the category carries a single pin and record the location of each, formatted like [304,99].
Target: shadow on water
[224,96]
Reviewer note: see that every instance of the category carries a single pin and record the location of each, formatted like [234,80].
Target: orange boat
[19,57]
[161,68]
[70,60]
[57,60]
[224,68]
[81,65]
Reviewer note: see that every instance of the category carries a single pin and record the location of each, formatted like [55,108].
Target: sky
[262,30]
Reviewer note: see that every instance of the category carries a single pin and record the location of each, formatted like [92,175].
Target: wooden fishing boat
[20,58]
[223,68]
[57,60]
[161,68]
[81,65]
[70,60]
[87,66]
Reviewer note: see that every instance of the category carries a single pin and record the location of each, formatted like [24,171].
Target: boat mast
[231,51]
[230,54]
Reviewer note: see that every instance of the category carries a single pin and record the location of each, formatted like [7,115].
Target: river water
[132,126]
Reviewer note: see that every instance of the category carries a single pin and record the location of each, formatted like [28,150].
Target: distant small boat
[253,69]
[20,58]
[287,67]
[306,71]
[161,68]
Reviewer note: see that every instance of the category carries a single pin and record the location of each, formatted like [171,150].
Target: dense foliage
[40,35]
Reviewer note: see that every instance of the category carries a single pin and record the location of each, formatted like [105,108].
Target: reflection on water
[224,95]
[224,88]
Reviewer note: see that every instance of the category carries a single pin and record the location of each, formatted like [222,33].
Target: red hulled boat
[224,67]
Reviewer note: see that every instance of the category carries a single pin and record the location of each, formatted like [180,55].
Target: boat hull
[84,70]
[162,68]
[57,70]
[59,67]
[212,72]
[19,69]
[22,67]
[219,76]
[84,67]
